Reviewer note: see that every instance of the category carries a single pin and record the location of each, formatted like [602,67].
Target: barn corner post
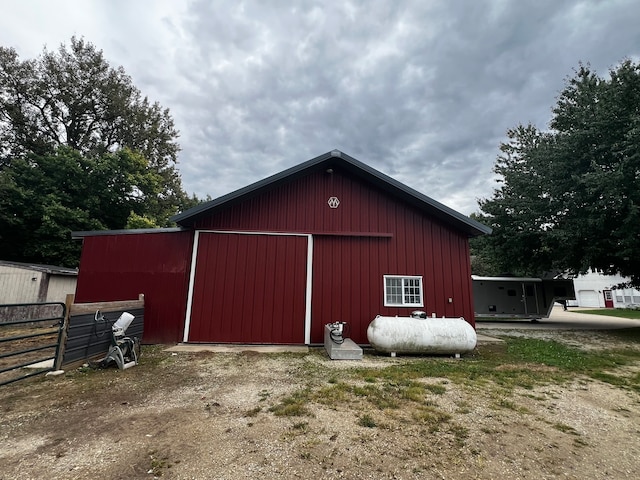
[62,338]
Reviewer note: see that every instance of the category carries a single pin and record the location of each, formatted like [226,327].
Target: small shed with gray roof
[34,283]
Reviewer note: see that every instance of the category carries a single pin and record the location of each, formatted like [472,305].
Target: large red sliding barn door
[248,288]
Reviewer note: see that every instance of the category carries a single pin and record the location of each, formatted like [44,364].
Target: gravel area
[191,415]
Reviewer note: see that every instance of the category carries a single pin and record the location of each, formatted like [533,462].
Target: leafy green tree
[43,198]
[73,97]
[80,149]
[568,198]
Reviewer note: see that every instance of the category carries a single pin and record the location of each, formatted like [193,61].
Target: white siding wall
[626,297]
[589,288]
[60,286]
[21,285]
[17,286]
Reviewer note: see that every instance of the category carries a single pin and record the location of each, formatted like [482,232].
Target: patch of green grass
[613,312]
[569,359]
[383,397]
[294,405]
[333,394]
[431,416]
[409,387]
[253,412]
[367,421]
[579,442]
[459,432]
[463,407]
[511,405]
[436,389]
[158,463]
[546,352]
[302,426]
[518,362]
[634,382]
[415,392]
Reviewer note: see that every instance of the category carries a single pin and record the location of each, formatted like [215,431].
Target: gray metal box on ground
[347,350]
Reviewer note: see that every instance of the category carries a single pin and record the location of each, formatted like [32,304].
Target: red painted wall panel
[301,206]
[120,267]
[348,270]
[249,289]
[369,235]
[348,281]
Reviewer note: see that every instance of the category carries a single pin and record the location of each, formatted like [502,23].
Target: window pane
[411,290]
[394,290]
[403,291]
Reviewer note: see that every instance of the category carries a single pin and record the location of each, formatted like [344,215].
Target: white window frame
[405,284]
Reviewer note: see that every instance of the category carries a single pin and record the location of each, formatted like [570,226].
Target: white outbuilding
[597,290]
[33,283]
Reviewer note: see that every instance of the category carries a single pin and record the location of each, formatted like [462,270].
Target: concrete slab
[484,339]
[560,319]
[204,347]
[346,350]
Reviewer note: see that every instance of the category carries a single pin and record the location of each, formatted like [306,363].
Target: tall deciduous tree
[74,97]
[569,197]
[45,197]
[80,147]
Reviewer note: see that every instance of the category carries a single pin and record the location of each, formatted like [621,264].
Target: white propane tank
[421,335]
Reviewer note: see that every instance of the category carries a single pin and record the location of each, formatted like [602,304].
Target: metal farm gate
[30,335]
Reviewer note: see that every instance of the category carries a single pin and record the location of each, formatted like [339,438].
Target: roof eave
[469,226]
[134,231]
[188,217]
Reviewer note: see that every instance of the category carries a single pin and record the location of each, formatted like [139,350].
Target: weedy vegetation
[440,405]
[409,390]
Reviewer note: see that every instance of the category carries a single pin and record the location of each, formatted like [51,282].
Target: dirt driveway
[300,415]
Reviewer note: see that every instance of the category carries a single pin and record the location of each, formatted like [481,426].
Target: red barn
[328,240]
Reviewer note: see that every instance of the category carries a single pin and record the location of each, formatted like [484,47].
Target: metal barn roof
[53,269]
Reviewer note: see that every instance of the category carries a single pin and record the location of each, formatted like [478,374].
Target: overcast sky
[423,91]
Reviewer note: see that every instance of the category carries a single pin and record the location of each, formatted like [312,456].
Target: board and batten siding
[370,234]
[249,288]
[120,267]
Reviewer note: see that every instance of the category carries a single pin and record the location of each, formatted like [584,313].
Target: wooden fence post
[57,365]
